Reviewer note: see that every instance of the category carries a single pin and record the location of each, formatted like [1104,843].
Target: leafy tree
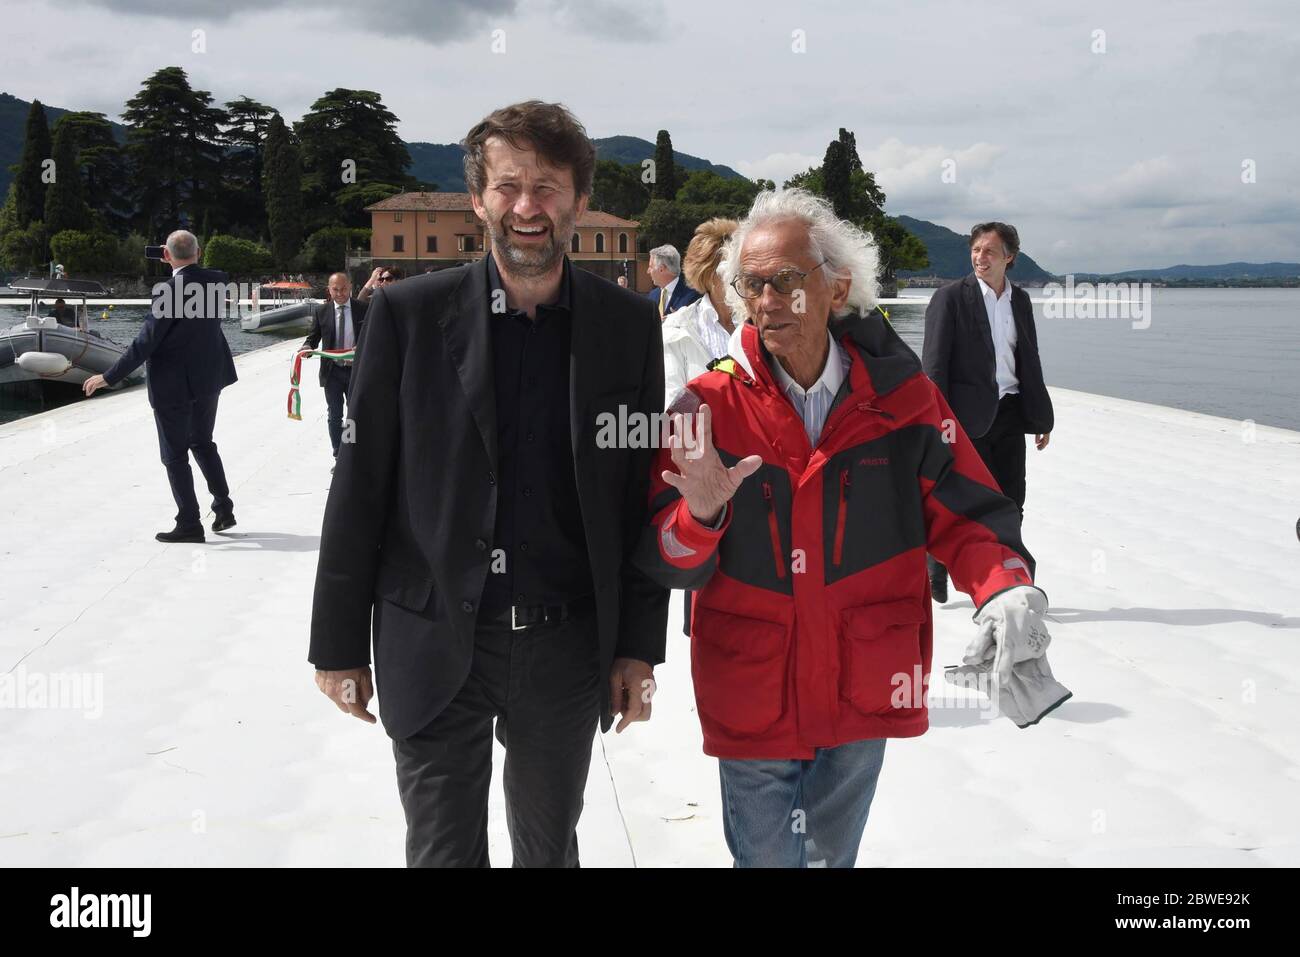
[703,187]
[29,198]
[174,143]
[65,208]
[83,252]
[327,248]
[617,189]
[21,247]
[102,165]
[282,187]
[348,134]
[238,257]
[244,137]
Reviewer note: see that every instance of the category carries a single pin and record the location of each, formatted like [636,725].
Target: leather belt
[519,617]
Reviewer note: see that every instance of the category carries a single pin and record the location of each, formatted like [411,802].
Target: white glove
[1012,646]
[1011,630]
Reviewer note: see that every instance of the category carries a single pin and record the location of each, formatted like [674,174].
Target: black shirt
[538,520]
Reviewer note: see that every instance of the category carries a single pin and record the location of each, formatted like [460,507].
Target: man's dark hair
[394,271]
[548,128]
[1006,232]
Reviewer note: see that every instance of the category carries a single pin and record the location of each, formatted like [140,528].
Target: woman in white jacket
[697,334]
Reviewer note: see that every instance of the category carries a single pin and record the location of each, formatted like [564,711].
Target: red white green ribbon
[295,374]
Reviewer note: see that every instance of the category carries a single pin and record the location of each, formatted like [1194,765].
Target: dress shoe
[179,534]
[223,521]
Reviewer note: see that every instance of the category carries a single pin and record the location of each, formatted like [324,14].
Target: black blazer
[683,295]
[958,355]
[322,330]
[411,511]
[186,356]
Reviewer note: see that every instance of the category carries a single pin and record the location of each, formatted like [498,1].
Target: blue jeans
[800,813]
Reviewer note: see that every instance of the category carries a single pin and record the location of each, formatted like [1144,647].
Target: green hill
[950,254]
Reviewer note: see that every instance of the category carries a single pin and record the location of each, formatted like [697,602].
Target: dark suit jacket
[412,506]
[958,355]
[683,295]
[322,334]
[185,356]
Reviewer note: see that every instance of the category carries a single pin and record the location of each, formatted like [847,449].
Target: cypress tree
[665,184]
[65,205]
[282,186]
[29,195]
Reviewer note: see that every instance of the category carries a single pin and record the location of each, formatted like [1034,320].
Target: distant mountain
[13,127]
[950,254]
[441,162]
[1224,272]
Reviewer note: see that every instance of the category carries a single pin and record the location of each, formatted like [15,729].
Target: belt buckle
[513,619]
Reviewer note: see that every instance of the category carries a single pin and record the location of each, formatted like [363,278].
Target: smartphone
[153,252]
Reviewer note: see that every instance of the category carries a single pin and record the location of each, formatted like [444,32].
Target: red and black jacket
[811,625]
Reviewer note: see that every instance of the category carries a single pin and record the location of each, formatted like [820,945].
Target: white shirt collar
[668,289]
[987,290]
[832,376]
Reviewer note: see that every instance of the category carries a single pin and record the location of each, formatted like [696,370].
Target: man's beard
[535,260]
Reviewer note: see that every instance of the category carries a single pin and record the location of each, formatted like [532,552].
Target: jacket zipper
[774,530]
[845,484]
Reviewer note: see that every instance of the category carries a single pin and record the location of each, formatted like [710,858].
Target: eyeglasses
[385,279]
[785,282]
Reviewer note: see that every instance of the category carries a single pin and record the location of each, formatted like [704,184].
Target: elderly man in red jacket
[806,477]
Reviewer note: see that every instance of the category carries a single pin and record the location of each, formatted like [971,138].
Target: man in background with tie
[670,291]
[336,326]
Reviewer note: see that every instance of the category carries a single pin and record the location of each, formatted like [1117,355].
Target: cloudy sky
[1112,134]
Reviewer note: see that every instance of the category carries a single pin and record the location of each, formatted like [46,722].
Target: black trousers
[1002,448]
[184,428]
[338,386]
[542,685]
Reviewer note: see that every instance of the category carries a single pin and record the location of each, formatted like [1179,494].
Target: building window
[600,242]
[397,217]
[469,217]
[399,244]
[430,244]
[575,244]
[433,217]
[622,242]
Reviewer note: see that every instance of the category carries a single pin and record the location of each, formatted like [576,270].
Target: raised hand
[705,483]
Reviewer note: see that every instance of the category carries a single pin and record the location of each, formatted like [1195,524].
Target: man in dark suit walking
[981,349]
[670,292]
[336,325]
[482,521]
[187,364]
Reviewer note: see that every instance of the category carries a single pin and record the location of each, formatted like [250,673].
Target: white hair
[183,244]
[850,253]
[667,256]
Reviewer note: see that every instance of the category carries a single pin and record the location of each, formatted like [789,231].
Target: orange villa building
[420,230]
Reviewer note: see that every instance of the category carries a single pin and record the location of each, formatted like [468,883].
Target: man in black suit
[336,325]
[670,292]
[981,349]
[480,520]
[188,363]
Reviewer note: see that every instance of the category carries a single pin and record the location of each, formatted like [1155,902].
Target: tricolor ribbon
[295,374]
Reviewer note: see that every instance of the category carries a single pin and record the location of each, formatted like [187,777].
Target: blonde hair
[704,254]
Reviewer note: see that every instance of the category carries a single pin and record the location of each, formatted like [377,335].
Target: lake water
[122,326]
[1226,352]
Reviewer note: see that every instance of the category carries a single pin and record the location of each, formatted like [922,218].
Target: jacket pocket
[880,654]
[739,669]
[403,586]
